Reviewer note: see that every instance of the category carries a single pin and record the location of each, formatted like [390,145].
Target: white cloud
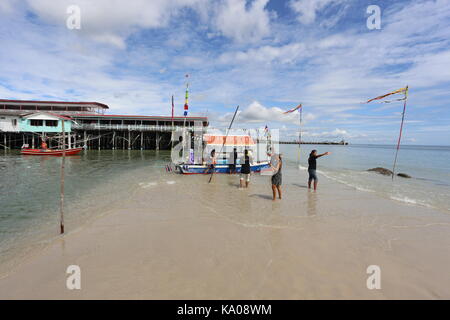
[257,113]
[307,9]
[234,20]
[285,54]
[111,21]
[6,6]
[335,134]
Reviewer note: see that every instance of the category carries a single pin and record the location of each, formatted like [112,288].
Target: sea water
[99,181]
[428,166]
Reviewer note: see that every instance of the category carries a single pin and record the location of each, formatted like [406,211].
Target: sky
[266,56]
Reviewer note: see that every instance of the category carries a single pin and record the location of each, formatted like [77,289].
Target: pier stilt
[129,140]
[142,140]
[157,141]
[85,140]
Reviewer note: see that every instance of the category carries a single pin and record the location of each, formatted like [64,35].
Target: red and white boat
[50,152]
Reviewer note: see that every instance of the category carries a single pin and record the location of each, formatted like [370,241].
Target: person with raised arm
[312,167]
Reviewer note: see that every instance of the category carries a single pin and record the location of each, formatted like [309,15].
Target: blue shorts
[312,175]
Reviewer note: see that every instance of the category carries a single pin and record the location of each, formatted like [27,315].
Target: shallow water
[99,181]
[95,182]
[429,167]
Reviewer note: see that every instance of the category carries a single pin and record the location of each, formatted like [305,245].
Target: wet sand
[178,237]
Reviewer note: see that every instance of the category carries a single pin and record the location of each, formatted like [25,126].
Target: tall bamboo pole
[63,161]
[224,141]
[400,134]
[300,136]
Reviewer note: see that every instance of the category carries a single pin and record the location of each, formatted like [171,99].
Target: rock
[404,175]
[382,171]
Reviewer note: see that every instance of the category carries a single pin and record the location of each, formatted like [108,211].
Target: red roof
[104,106]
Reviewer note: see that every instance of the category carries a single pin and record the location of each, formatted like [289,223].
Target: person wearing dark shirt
[312,166]
[245,169]
[232,165]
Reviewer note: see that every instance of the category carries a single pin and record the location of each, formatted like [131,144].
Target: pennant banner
[292,110]
[402,90]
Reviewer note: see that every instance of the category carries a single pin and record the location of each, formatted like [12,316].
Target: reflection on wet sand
[312,203]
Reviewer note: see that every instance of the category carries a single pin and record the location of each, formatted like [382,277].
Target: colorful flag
[186,102]
[402,90]
[292,110]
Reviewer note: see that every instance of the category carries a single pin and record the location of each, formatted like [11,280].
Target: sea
[99,181]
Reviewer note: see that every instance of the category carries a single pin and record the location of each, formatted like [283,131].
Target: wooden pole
[157,141]
[300,136]
[400,134]
[63,161]
[228,131]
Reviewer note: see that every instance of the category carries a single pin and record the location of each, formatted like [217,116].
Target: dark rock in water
[382,171]
[404,175]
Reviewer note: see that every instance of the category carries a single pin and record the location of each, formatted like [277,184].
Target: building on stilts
[87,124]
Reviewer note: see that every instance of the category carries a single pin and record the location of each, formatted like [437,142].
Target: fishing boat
[218,168]
[197,160]
[50,152]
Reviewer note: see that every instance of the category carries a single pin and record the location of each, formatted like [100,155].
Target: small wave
[147,185]
[170,182]
[413,202]
[405,199]
[357,187]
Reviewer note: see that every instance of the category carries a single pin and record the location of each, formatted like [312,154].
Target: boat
[50,152]
[219,168]
[195,160]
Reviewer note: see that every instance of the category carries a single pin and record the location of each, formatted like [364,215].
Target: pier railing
[131,127]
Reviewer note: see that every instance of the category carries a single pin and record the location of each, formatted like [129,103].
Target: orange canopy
[230,140]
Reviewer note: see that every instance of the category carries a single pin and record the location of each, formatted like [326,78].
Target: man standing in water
[211,162]
[232,166]
[245,169]
[312,165]
[277,177]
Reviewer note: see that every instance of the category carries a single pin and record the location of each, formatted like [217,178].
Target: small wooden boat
[50,152]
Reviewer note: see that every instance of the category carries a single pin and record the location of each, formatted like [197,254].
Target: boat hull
[219,168]
[57,153]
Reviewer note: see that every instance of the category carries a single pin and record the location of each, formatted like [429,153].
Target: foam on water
[429,185]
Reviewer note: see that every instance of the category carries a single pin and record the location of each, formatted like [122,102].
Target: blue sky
[264,55]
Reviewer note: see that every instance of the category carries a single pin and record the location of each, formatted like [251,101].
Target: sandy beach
[214,241]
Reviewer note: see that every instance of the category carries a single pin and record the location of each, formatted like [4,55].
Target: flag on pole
[402,90]
[404,99]
[186,101]
[292,110]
